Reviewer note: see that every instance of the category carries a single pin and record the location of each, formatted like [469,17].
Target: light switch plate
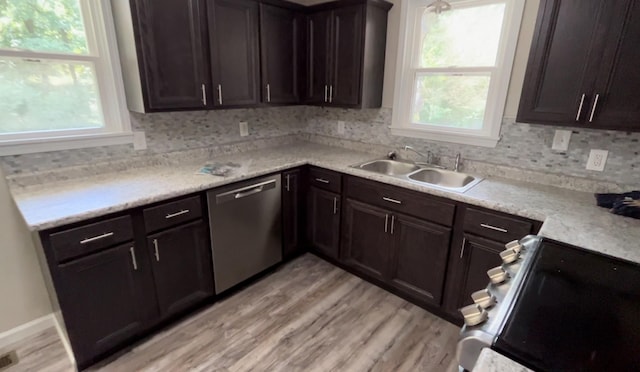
[597,160]
[139,141]
[561,140]
[244,129]
[341,128]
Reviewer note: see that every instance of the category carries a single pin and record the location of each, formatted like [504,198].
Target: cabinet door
[420,251]
[235,61]
[292,212]
[563,63]
[174,61]
[477,257]
[346,68]
[319,57]
[182,266]
[102,297]
[280,35]
[366,239]
[323,221]
[618,105]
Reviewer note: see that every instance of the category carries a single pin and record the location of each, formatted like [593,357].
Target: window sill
[29,146]
[464,139]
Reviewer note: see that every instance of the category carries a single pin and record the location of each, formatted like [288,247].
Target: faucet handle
[392,155]
[456,167]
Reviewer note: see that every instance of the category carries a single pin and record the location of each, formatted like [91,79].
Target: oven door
[578,311]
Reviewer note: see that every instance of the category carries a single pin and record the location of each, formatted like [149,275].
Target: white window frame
[103,54]
[406,72]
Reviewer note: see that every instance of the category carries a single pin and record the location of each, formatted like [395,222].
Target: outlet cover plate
[561,140]
[597,160]
[244,129]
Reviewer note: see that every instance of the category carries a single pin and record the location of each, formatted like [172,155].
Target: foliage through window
[55,70]
[453,77]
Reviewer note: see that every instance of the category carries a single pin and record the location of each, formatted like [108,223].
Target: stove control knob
[509,255]
[515,245]
[474,315]
[497,275]
[483,298]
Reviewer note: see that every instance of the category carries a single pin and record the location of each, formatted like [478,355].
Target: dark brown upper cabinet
[172,63]
[346,43]
[581,69]
[235,57]
[281,37]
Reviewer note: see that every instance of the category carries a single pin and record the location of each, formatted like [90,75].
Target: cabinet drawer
[85,239]
[495,226]
[401,200]
[325,179]
[171,214]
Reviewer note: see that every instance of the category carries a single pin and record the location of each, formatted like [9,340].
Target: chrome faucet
[458,163]
[428,158]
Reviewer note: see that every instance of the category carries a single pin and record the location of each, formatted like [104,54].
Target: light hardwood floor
[307,316]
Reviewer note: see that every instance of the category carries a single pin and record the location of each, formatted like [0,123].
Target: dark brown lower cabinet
[366,241]
[419,258]
[103,300]
[182,267]
[478,255]
[323,221]
[293,215]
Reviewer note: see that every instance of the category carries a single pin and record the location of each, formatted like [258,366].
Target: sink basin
[444,178]
[389,167]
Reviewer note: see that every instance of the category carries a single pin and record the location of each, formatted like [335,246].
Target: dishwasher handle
[245,191]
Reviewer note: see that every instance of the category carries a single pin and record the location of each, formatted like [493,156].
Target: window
[454,68]
[61,86]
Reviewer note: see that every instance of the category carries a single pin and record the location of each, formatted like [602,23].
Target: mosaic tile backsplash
[523,146]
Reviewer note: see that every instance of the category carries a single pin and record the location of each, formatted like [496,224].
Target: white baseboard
[28,329]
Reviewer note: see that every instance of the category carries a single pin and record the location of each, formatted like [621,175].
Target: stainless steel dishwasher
[246,229]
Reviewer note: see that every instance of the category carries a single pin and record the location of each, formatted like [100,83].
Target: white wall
[23,296]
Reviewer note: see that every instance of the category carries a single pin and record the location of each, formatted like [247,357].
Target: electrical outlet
[244,129]
[341,127]
[139,141]
[597,160]
[561,140]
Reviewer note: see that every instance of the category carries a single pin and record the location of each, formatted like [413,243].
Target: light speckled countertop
[491,361]
[569,216]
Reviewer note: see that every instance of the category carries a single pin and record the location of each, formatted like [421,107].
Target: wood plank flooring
[307,316]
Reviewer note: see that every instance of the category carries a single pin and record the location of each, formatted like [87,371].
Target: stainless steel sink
[425,175]
[444,178]
[389,167]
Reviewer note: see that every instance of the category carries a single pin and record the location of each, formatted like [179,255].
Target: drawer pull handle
[133,258]
[494,228]
[322,180]
[391,200]
[157,251]
[89,240]
[171,215]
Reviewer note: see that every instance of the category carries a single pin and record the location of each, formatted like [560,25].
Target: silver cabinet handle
[386,223]
[322,180]
[335,205]
[393,223]
[89,240]
[464,244]
[330,93]
[593,109]
[268,93]
[326,92]
[132,251]
[288,182]
[204,94]
[157,251]
[171,215]
[392,200]
[493,228]
[220,94]
[580,107]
